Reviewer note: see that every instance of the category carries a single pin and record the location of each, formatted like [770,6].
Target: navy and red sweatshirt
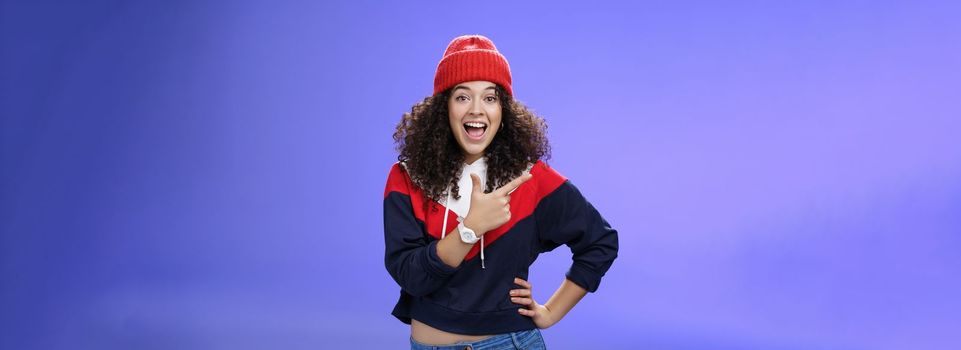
[546,212]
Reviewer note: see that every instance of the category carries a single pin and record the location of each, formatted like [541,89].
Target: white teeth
[475,125]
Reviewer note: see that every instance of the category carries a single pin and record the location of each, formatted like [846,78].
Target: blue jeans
[527,340]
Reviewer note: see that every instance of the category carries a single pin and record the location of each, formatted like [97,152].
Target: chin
[473,151]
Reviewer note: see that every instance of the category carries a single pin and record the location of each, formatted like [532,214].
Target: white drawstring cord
[443,229]
[482,252]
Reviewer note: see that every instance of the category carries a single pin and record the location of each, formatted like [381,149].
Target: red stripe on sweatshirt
[523,202]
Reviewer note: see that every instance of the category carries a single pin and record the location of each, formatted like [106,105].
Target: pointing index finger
[514,184]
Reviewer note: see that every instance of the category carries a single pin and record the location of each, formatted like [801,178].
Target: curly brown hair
[432,157]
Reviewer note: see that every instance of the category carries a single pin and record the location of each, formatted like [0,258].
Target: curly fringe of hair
[434,160]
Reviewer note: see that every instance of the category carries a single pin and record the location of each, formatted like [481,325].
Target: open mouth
[475,130]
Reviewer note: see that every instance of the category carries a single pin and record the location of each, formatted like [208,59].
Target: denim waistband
[529,339]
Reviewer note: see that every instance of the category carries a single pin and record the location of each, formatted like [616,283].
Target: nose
[475,109]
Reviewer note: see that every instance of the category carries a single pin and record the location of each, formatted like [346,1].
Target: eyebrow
[467,88]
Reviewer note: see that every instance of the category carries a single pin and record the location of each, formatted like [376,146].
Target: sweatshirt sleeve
[410,257]
[564,216]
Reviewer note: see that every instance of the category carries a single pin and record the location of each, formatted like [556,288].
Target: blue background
[210,174]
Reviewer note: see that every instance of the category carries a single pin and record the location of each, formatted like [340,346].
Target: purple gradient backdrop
[209,175]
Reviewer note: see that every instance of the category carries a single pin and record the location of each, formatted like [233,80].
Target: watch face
[467,234]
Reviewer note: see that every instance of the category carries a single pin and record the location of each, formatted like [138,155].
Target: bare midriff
[422,333]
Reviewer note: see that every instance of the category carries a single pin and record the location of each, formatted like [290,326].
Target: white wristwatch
[467,235]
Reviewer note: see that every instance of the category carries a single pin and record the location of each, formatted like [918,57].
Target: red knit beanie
[469,58]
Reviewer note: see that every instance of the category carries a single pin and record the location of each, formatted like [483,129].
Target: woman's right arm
[487,212]
[410,258]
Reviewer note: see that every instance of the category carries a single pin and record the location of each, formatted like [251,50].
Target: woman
[471,204]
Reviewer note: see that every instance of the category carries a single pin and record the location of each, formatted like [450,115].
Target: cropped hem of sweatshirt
[546,211]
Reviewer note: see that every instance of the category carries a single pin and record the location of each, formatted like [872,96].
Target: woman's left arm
[565,217]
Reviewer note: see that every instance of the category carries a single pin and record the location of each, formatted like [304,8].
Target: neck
[470,159]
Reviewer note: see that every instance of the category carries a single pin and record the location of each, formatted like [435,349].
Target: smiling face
[475,116]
